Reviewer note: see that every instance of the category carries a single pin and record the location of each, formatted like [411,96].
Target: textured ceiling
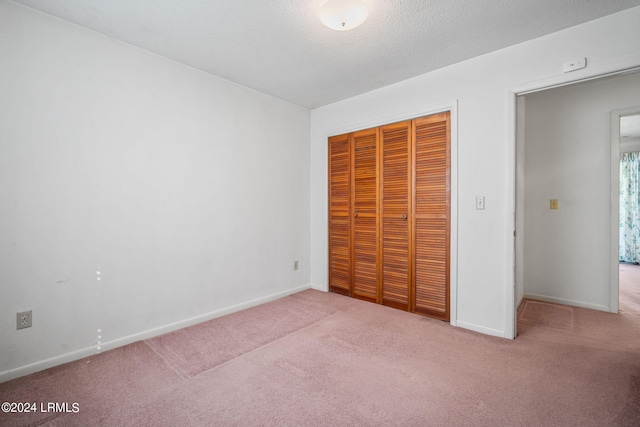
[279,47]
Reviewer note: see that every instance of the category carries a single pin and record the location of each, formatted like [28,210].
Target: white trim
[614,263]
[452,107]
[520,299]
[481,329]
[453,220]
[565,301]
[510,279]
[625,64]
[119,342]
[614,219]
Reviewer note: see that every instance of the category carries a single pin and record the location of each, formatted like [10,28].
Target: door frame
[425,110]
[614,245]
[628,64]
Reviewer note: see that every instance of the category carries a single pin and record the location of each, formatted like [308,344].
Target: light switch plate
[480,203]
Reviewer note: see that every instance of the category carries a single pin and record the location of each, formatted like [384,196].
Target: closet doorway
[390,214]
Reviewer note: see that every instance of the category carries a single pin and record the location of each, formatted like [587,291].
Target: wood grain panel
[431,137]
[395,248]
[340,255]
[339,214]
[365,203]
[365,172]
[431,167]
[395,168]
[365,275]
[339,175]
[395,271]
[431,268]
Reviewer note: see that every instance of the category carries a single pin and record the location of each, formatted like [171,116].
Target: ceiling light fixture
[343,15]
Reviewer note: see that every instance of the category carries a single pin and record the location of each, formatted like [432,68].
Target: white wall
[486,150]
[567,157]
[630,145]
[190,194]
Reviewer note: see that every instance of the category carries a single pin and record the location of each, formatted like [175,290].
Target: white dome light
[343,15]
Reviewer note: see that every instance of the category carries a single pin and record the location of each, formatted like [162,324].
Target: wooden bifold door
[389,203]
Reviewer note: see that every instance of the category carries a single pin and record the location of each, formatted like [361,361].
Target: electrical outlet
[23,319]
[295,264]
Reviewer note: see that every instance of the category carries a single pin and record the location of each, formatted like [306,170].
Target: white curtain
[630,207]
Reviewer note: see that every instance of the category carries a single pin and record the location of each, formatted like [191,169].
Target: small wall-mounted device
[574,65]
[23,319]
[553,204]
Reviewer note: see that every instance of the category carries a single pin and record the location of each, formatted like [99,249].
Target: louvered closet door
[339,214]
[365,208]
[431,215]
[395,211]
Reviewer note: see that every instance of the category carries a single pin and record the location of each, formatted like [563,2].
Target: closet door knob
[404,216]
[355,215]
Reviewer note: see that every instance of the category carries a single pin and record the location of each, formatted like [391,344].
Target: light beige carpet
[318,359]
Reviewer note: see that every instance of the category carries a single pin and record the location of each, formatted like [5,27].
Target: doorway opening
[567,192]
[628,123]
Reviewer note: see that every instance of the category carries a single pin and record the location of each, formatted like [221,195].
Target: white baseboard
[565,301]
[320,288]
[119,342]
[481,329]
[520,298]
